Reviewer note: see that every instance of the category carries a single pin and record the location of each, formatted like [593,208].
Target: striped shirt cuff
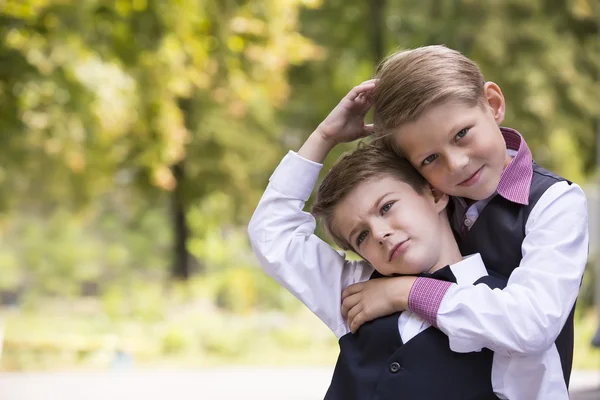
[425,298]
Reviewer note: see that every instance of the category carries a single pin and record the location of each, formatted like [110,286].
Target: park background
[137,137]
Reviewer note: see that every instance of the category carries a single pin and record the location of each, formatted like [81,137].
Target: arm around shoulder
[527,316]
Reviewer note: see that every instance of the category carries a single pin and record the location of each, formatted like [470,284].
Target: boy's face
[459,149]
[390,225]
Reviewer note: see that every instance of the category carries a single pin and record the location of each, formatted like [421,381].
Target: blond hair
[368,161]
[411,81]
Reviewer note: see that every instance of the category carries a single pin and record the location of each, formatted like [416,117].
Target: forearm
[524,318]
[316,147]
[517,323]
[400,293]
[528,315]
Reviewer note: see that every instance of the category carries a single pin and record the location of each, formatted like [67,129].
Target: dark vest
[375,364]
[498,234]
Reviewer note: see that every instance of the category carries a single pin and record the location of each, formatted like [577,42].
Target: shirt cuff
[296,176]
[425,298]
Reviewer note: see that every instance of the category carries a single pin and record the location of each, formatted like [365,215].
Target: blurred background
[138,135]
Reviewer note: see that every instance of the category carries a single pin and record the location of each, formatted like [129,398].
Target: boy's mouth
[473,179]
[398,249]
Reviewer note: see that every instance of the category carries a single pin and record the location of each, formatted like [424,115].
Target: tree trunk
[181,257]
[377,28]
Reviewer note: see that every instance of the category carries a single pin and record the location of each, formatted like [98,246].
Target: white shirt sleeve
[527,316]
[283,239]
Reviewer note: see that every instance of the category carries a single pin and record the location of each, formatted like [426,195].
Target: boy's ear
[440,199]
[495,100]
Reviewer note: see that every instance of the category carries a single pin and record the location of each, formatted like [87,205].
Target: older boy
[529,224]
[376,204]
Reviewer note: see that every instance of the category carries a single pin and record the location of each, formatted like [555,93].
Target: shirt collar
[469,270]
[515,180]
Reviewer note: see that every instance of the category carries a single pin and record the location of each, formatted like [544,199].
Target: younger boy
[376,204]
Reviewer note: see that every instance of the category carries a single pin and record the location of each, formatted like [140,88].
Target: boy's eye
[461,133]
[386,207]
[361,237]
[430,159]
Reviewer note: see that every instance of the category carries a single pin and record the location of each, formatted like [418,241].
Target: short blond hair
[411,81]
[373,160]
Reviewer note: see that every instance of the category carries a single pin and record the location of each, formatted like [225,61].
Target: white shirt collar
[469,270]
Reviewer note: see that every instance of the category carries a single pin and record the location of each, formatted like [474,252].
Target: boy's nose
[457,162]
[382,236]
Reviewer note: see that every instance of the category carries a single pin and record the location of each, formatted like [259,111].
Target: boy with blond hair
[375,204]
[435,108]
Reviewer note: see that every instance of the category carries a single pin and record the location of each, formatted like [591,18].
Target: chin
[482,192]
[482,195]
[489,190]
[414,270]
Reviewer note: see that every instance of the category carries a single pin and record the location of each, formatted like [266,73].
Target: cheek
[436,177]
[369,252]
[418,218]
[491,152]
[493,149]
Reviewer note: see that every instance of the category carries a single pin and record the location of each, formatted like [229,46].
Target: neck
[507,160]
[449,252]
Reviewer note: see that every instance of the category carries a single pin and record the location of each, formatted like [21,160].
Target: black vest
[498,234]
[375,364]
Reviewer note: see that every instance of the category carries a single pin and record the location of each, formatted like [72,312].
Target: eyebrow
[421,156]
[377,202]
[457,126]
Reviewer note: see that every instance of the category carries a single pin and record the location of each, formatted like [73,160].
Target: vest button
[394,367]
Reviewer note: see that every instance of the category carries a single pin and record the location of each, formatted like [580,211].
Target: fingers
[371,81]
[352,318]
[369,129]
[362,103]
[350,302]
[357,322]
[352,289]
[365,87]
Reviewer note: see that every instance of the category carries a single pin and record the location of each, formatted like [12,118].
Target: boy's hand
[346,122]
[365,301]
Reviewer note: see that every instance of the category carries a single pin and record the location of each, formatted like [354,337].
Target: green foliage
[236,291]
[56,255]
[584,355]
[243,289]
[141,301]
[585,300]
[293,338]
[176,340]
[101,88]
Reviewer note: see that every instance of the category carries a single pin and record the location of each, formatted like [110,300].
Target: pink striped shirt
[427,294]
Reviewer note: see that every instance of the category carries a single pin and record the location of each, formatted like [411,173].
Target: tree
[181,96]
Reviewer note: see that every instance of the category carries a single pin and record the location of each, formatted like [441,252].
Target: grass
[197,336]
[66,337]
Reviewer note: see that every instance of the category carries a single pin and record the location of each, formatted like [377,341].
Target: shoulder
[560,198]
[544,174]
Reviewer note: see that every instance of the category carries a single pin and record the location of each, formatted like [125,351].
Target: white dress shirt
[282,236]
